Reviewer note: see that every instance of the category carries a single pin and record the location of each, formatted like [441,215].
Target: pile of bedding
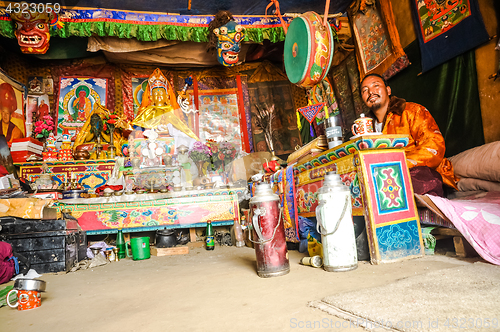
[478,168]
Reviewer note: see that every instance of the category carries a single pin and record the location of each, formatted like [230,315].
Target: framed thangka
[286,132]
[378,49]
[446,29]
[219,116]
[77,97]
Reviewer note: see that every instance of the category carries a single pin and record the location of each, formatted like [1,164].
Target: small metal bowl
[107,194]
[179,188]
[164,190]
[189,188]
[139,192]
[30,284]
[118,193]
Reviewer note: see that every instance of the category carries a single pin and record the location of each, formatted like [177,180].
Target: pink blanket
[478,219]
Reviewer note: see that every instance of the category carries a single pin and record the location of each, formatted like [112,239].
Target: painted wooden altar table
[375,170]
[147,212]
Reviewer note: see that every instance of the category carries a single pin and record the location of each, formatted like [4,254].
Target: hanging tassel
[326,112]
[299,125]
[311,131]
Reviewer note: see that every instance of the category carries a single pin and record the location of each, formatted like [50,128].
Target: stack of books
[22,148]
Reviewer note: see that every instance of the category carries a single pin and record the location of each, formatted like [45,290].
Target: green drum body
[308,50]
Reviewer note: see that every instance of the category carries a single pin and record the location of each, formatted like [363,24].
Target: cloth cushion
[481,162]
[470,184]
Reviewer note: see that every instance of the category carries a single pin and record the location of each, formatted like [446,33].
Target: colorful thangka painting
[77,97]
[372,37]
[438,16]
[139,85]
[219,116]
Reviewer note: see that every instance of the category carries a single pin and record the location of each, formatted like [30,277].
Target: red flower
[111,121]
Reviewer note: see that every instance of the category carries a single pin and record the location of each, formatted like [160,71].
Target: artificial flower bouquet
[44,127]
[222,153]
[200,152]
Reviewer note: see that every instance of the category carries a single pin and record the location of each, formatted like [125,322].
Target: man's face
[5,114]
[374,93]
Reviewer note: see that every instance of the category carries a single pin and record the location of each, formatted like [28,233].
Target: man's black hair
[377,75]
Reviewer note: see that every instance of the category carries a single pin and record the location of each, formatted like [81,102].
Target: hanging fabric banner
[309,112]
[446,29]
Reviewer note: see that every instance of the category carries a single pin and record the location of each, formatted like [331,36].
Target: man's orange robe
[426,145]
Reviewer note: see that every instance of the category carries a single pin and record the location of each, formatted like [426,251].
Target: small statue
[189,171]
[92,133]
[159,107]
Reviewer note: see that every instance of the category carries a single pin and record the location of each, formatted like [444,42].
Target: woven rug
[465,298]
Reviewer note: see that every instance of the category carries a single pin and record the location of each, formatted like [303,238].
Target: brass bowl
[164,190]
[177,188]
[209,185]
[118,193]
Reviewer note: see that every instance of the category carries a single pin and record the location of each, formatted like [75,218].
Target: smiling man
[426,147]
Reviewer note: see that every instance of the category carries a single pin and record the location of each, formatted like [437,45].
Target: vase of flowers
[200,153]
[222,154]
[44,127]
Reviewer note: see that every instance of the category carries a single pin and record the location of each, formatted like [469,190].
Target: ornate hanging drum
[308,50]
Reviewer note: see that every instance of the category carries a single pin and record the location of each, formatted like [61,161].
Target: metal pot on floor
[166,238]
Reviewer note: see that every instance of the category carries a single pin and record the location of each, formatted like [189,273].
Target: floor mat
[464,297]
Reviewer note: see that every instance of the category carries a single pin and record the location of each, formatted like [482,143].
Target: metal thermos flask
[333,131]
[334,216]
[268,233]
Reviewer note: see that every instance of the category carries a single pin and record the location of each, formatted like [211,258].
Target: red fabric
[241,107]
[3,171]
[101,188]
[426,180]
[7,269]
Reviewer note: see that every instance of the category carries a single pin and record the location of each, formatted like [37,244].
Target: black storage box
[49,245]
[47,251]
[13,225]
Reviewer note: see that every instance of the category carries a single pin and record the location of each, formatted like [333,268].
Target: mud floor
[204,290]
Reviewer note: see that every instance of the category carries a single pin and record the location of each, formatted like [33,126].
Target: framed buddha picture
[77,97]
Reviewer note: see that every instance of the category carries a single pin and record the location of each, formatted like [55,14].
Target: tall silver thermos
[334,216]
[333,130]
